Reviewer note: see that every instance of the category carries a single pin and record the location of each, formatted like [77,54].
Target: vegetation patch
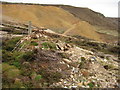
[84,64]
[91,85]
[6,55]
[34,43]
[29,56]
[38,77]
[17,64]
[64,55]
[50,76]
[10,72]
[6,67]
[50,45]
[10,44]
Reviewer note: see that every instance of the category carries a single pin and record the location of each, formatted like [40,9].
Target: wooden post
[29,28]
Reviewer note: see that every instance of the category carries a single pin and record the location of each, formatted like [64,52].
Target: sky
[107,7]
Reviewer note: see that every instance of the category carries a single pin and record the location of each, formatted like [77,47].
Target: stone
[71,76]
[73,86]
[80,84]
[67,61]
[26,63]
[86,83]
[17,80]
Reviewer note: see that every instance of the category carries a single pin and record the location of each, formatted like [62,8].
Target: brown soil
[62,19]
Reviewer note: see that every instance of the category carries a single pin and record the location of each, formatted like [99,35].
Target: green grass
[17,64]
[38,77]
[34,43]
[50,45]
[91,85]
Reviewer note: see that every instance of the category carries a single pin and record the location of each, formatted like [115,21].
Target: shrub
[25,71]
[84,64]
[49,45]
[17,56]
[17,64]
[6,55]
[10,44]
[11,74]
[34,43]
[91,84]
[17,84]
[28,56]
[6,67]
[83,59]
[50,76]
[10,71]
[115,49]
[38,77]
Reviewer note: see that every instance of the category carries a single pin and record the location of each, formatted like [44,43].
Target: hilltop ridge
[61,18]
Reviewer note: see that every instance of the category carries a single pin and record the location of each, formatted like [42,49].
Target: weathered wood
[29,28]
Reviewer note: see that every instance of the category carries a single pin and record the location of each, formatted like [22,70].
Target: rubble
[80,69]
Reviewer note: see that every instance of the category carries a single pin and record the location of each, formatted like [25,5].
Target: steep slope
[83,29]
[94,18]
[51,17]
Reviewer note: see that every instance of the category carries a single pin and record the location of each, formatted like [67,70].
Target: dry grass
[51,17]
[83,29]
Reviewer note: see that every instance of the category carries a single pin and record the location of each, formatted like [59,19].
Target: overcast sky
[107,7]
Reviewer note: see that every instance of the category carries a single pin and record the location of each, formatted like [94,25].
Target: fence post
[29,28]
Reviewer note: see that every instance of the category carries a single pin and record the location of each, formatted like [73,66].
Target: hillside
[92,17]
[45,59]
[55,18]
[62,50]
[83,29]
[50,16]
